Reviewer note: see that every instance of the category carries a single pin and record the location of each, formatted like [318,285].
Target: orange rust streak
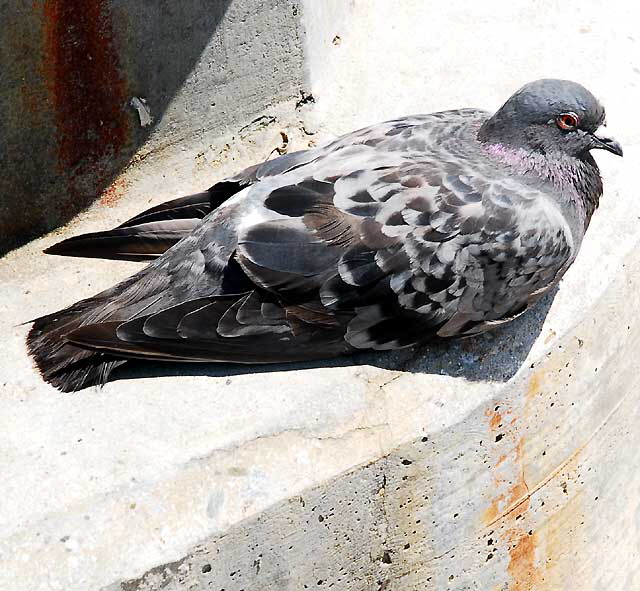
[113,193]
[517,496]
[492,513]
[520,489]
[534,385]
[86,89]
[522,567]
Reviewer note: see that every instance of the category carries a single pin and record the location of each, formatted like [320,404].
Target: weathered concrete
[73,71]
[503,463]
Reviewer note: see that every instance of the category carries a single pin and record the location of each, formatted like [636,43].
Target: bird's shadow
[493,356]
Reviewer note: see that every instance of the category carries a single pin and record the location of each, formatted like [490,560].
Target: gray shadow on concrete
[494,356]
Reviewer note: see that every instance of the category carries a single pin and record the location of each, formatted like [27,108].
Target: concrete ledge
[504,463]
[346,474]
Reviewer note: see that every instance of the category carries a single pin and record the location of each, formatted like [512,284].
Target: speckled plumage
[391,236]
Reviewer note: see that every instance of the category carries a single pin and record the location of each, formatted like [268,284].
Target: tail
[70,365]
[63,365]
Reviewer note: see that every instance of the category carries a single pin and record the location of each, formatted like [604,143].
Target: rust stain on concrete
[512,500]
[534,385]
[114,192]
[519,491]
[492,512]
[509,478]
[522,567]
[86,89]
[495,420]
[501,460]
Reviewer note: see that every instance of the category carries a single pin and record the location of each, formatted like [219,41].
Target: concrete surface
[505,463]
[74,73]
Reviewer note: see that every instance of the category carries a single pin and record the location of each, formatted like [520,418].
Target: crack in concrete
[300,431]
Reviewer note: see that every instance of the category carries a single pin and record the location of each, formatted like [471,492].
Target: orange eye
[567,121]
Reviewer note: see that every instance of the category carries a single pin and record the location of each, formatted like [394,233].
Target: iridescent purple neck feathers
[576,179]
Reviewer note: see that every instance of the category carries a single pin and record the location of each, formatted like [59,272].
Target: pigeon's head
[550,117]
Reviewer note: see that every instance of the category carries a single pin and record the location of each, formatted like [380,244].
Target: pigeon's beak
[602,142]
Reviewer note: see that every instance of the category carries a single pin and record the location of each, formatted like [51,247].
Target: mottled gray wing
[407,253]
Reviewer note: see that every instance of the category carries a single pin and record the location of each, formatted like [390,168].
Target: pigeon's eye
[567,121]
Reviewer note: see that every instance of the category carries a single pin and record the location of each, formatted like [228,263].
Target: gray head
[550,117]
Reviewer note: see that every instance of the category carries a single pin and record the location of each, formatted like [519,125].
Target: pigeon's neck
[577,180]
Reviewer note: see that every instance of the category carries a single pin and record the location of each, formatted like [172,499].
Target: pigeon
[423,228]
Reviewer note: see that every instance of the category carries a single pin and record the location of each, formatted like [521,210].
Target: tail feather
[91,371]
[143,237]
[134,243]
[61,364]
[70,365]
[194,206]
[150,233]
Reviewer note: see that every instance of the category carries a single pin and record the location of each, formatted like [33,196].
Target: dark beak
[601,142]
